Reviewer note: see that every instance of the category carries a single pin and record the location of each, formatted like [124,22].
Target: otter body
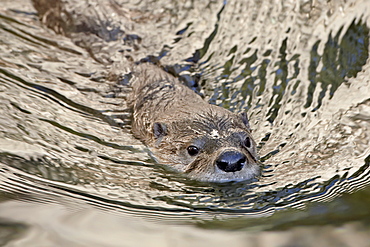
[207,142]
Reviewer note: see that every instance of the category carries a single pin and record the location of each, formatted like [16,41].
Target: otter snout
[231,161]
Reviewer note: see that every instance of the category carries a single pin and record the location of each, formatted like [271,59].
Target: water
[71,173]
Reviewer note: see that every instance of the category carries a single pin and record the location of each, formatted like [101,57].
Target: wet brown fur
[168,117]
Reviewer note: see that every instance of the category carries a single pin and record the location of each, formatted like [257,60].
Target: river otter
[181,129]
[207,142]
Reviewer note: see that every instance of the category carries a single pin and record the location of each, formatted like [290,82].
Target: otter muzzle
[231,161]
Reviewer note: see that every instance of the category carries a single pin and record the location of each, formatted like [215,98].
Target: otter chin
[204,141]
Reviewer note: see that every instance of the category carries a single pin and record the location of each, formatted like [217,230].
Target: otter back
[207,142]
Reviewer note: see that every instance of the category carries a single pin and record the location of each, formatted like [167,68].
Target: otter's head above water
[182,130]
[212,145]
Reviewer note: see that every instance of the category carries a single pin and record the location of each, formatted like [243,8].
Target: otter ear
[245,120]
[159,130]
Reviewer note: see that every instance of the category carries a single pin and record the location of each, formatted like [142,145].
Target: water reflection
[300,70]
[341,59]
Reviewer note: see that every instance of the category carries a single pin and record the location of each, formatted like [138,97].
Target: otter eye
[193,150]
[247,142]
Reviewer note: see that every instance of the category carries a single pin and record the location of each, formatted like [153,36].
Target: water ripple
[301,74]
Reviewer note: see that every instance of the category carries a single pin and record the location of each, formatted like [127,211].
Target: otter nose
[231,161]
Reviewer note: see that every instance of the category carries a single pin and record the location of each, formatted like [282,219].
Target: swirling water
[70,168]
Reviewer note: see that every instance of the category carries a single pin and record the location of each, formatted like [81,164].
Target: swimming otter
[182,130]
[207,142]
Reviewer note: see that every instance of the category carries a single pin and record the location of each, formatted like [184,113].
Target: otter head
[215,145]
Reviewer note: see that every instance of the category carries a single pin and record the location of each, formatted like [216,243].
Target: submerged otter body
[207,142]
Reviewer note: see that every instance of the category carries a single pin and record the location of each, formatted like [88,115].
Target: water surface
[70,167]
